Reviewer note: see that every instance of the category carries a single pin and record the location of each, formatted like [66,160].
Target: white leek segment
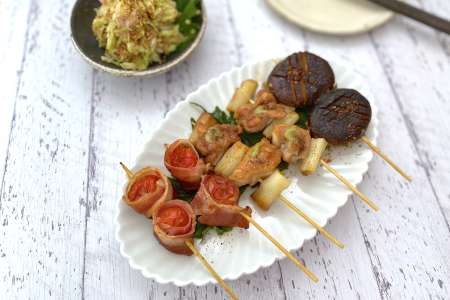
[270,189]
[290,119]
[243,94]
[316,149]
[231,159]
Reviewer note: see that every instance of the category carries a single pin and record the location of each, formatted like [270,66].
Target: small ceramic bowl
[83,13]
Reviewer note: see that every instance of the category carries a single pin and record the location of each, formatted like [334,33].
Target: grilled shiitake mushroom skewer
[339,118]
[300,80]
[190,245]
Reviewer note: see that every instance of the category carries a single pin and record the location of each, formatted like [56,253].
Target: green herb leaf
[180,192]
[283,166]
[251,139]
[189,11]
[189,22]
[222,229]
[181,4]
[201,230]
[222,117]
[303,114]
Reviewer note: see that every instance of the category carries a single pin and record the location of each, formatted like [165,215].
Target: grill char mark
[300,79]
[340,116]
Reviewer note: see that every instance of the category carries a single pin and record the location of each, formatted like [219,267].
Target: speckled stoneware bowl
[83,13]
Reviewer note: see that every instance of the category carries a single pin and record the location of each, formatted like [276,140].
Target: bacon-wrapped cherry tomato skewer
[175,218]
[216,203]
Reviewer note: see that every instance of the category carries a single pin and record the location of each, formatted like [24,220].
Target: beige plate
[333,16]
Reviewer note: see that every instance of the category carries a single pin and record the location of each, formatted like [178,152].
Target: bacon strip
[184,163]
[146,190]
[216,203]
[174,224]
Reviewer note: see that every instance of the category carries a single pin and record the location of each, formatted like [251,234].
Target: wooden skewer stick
[349,185]
[127,171]
[200,257]
[377,150]
[311,221]
[210,269]
[281,248]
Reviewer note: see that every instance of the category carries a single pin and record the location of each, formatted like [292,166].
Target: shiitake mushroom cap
[300,79]
[340,116]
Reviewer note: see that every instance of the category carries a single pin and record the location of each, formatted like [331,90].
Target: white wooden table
[64,127]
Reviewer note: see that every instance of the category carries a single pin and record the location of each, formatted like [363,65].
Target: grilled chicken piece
[293,141]
[254,117]
[216,140]
[205,121]
[259,162]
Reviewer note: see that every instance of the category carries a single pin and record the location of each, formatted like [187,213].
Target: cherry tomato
[223,190]
[142,186]
[183,156]
[174,216]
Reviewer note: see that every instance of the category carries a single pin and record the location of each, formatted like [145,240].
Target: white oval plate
[241,251]
[333,16]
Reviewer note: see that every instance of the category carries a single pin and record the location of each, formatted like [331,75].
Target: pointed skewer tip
[389,161]
[210,269]
[127,171]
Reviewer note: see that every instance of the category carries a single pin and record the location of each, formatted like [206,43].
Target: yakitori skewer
[347,114]
[191,246]
[339,117]
[290,143]
[270,190]
[218,196]
[377,150]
